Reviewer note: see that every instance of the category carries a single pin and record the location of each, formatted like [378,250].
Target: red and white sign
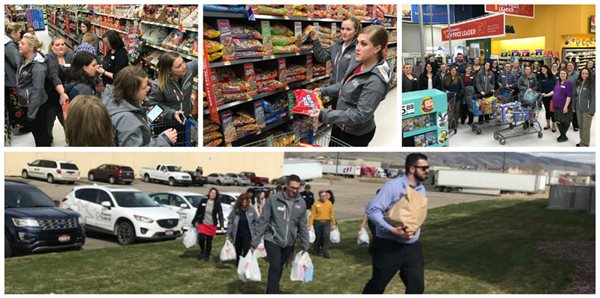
[486,27]
[517,10]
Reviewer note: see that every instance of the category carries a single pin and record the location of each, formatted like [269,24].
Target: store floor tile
[386,134]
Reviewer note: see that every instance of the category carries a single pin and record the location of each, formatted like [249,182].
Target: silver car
[239,179]
[219,179]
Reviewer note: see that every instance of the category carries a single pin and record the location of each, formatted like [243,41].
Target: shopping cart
[522,113]
[453,112]
[187,133]
[287,139]
[487,107]
[323,138]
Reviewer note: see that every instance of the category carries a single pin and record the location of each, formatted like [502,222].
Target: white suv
[185,204]
[125,212]
[51,170]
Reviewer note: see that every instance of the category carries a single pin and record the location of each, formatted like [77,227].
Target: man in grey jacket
[282,220]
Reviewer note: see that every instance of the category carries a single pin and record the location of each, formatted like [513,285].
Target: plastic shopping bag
[302,268]
[260,251]
[334,237]
[228,252]
[190,237]
[311,235]
[248,269]
[363,237]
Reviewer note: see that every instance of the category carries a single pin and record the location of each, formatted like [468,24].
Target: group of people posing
[568,95]
[40,86]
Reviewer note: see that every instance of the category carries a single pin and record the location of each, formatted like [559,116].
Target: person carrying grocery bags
[323,218]
[208,214]
[282,221]
[241,225]
[397,247]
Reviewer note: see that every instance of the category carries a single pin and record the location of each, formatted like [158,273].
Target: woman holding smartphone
[173,91]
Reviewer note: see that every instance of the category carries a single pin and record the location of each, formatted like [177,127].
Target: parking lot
[351,195]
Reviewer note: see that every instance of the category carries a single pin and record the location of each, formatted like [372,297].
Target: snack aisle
[147,31]
[257,55]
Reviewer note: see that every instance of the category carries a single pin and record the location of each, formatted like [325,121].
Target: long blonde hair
[88,123]
[33,41]
[165,62]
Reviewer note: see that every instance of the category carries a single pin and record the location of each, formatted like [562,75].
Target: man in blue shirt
[393,249]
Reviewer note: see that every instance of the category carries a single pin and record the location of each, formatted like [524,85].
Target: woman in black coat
[429,79]
[208,214]
[409,81]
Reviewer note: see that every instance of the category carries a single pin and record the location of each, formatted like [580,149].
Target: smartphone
[154,113]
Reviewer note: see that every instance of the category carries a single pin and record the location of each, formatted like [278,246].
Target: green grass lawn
[480,247]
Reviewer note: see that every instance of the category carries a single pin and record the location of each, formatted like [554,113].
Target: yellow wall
[263,164]
[551,22]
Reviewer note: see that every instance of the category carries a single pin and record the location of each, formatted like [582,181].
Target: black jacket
[409,85]
[436,80]
[217,213]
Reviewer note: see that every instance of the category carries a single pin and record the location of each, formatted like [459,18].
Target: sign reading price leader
[518,10]
[486,27]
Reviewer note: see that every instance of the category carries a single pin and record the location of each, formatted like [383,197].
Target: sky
[588,157]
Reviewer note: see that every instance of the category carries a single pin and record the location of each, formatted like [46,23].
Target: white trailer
[305,169]
[460,180]
[342,170]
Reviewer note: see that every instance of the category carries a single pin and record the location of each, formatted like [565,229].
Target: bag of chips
[306,101]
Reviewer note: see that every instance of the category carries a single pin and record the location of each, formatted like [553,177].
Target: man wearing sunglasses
[393,249]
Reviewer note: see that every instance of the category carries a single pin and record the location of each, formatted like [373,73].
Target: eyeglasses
[424,168]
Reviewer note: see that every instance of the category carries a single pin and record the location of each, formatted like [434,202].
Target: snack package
[214,56]
[265,75]
[245,32]
[296,78]
[211,136]
[212,46]
[306,101]
[242,119]
[270,10]
[296,70]
[269,85]
[247,45]
[211,127]
[286,49]
[233,86]
[174,40]
[279,29]
[280,40]
[250,54]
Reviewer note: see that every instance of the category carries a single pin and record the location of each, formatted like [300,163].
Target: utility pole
[337,164]
[503,162]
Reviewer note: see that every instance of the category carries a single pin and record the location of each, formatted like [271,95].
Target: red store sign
[518,10]
[486,27]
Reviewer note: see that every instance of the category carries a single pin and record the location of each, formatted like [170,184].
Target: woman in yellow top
[321,214]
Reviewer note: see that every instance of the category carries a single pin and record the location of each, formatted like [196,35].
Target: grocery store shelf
[390,16]
[170,26]
[62,32]
[186,56]
[246,139]
[251,60]
[237,103]
[212,14]
[109,28]
[297,85]
[113,16]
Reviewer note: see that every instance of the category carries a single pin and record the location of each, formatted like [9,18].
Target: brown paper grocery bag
[410,211]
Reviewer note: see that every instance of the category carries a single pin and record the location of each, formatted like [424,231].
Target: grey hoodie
[340,61]
[12,60]
[31,78]
[525,83]
[485,82]
[234,219]
[176,96]
[584,97]
[129,124]
[359,97]
[282,221]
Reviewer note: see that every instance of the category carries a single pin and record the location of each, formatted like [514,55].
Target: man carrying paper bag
[398,211]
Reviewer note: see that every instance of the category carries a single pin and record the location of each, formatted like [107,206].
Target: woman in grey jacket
[31,78]
[527,82]
[128,116]
[12,62]
[241,225]
[173,91]
[485,82]
[364,86]
[341,52]
[584,99]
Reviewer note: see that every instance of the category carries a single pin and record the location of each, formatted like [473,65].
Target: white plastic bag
[363,237]
[311,235]
[248,269]
[334,237]
[228,252]
[190,237]
[260,251]
[302,268]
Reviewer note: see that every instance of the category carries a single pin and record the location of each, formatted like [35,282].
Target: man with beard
[393,249]
[460,64]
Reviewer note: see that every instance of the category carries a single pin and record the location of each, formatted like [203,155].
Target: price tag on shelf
[408,109]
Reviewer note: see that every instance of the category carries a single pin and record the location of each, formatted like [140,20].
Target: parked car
[256,190]
[112,173]
[283,180]
[51,170]
[186,203]
[125,212]
[197,179]
[170,174]
[33,223]
[219,179]
[255,180]
[239,179]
